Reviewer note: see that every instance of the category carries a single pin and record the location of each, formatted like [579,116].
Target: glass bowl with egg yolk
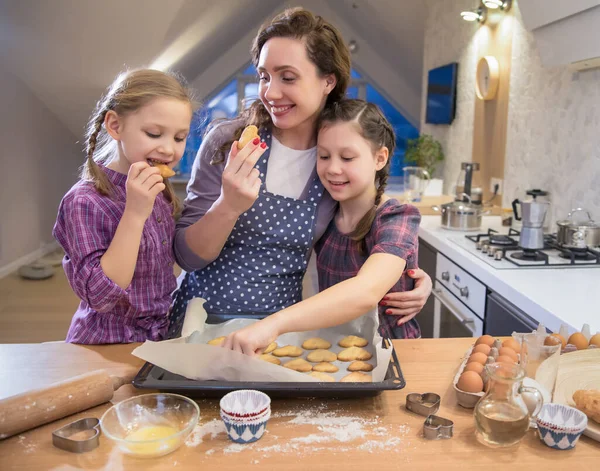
[150,425]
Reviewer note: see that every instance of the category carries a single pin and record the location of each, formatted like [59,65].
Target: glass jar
[501,416]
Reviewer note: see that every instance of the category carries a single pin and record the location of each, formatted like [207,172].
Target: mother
[250,221]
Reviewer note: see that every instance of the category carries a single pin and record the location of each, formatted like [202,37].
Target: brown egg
[478,358]
[505,359]
[486,340]
[595,340]
[512,343]
[470,381]
[483,348]
[474,366]
[555,339]
[508,352]
[579,340]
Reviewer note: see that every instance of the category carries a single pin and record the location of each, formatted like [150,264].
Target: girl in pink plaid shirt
[116,224]
[369,245]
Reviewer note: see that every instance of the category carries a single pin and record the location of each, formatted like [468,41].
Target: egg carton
[467,399]
[569,347]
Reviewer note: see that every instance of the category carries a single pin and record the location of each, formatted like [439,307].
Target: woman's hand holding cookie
[241,182]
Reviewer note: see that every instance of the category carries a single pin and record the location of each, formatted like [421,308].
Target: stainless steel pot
[461,216]
[578,235]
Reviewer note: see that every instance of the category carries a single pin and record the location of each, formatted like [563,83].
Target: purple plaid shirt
[85,227]
[394,231]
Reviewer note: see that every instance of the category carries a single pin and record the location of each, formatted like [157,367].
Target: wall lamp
[475,15]
[503,5]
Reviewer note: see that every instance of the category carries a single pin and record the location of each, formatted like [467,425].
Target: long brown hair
[129,92]
[325,48]
[375,128]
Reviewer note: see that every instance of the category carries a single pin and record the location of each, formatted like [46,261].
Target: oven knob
[478,245]
[446,276]
[464,292]
[484,248]
[498,255]
[491,252]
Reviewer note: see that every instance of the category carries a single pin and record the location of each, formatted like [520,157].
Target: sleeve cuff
[185,257]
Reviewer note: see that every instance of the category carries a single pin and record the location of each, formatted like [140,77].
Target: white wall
[553,137]
[39,160]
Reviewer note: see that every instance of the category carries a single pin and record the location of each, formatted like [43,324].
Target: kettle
[533,214]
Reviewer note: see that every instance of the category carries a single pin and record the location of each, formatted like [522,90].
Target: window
[243,89]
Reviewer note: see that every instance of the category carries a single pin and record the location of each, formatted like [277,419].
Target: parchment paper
[191,357]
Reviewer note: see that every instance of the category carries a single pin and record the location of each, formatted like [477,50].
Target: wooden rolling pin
[40,406]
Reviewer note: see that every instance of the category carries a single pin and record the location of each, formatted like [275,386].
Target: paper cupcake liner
[245,403]
[248,421]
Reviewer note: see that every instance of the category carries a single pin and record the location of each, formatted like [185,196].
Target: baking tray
[153,377]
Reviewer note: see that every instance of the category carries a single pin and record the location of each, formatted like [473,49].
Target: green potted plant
[424,151]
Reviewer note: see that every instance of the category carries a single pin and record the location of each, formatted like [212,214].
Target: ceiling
[68,51]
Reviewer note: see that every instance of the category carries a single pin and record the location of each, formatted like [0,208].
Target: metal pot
[461,216]
[578,235]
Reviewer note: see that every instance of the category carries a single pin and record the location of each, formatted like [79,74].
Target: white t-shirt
[288,169]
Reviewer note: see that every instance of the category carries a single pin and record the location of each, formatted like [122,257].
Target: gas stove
[501,250]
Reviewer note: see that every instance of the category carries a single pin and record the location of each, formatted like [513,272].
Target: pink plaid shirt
[395,231]
[85,227]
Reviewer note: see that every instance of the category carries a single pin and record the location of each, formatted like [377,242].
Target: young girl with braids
[367,248]
[116,224]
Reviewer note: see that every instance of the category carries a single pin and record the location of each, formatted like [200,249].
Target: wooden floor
[35,311]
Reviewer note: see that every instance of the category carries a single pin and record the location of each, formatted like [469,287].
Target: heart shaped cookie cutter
[79,436]
[436,427]
[423,404]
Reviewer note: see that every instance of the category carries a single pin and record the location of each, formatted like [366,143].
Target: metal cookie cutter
[436,427]
[79,436]
[423,404]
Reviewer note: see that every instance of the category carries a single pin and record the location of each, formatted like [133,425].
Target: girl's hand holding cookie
[144,183]
[241,182]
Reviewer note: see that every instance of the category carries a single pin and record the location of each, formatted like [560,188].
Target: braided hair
[129,92]
[375,128]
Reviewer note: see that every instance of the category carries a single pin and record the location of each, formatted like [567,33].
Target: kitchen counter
[550,295]
[302,434]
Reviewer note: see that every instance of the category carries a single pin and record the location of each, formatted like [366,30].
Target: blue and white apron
[260,269]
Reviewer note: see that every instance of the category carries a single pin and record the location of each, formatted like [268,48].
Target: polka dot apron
[260,269]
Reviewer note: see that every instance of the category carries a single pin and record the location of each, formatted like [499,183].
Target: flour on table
[212,428]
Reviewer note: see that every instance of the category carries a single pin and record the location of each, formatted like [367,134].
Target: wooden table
[428,366]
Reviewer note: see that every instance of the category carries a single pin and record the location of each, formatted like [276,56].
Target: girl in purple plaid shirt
[364,253]
[116,224]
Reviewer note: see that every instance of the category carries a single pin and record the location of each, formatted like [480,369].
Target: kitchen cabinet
[427,262]
[503,318]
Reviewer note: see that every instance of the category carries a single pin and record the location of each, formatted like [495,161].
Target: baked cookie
[354,353]
[248,134]
[360,366]
[318,356]
[356,377]
[165,171]
[288,351]
[322,376]
[218,341]
[299,364]
[314,343]
[272,346]
[353,341]
[588,402]
[270,359]
[325,367]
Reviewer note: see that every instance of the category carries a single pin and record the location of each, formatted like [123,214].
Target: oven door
[451,318]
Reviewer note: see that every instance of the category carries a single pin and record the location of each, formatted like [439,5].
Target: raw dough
[356,377]
[360,366]
[321,355]
[288,351]
[326,367]
[314,343]
[272,346]
[270,359]
[322,376]
[218,341]
[248,134]
[354,353]
[299,364]
[353,341]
